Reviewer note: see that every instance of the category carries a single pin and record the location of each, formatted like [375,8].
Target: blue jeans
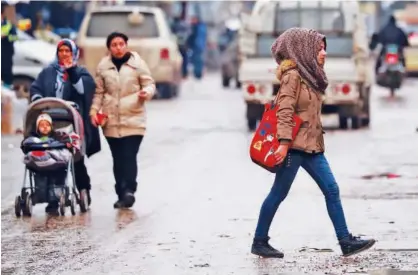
[318,168]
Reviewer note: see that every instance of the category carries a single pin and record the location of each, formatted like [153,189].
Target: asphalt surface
[199,197]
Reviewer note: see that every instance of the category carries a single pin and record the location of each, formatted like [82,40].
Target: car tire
[175,90]
[343,122]
[365,122]
[355,123]
[165,91]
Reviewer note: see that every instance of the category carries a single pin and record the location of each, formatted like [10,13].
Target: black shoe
[262,248]
[352,245]
[128,200]
[118,204]
[52,208]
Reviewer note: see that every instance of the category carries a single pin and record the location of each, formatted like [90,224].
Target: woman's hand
[68,63]
[142,95]
[93,119]
[281,153]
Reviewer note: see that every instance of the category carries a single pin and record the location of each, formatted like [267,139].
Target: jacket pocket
[131,105]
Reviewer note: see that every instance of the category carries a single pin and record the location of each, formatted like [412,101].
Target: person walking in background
[301,55]
[124,83]
[66,80]
[182,31]
[197,43]
[8,37]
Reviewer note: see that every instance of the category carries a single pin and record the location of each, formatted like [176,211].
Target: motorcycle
[392,71]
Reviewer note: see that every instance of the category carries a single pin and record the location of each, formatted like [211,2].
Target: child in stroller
[49,160]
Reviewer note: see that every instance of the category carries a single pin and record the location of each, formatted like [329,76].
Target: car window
[324,19]
[337,46]
[103,23]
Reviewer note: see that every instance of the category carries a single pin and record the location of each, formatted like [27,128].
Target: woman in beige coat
[124,83]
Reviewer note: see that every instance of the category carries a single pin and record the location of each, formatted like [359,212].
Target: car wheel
[365,122]
[175,90]
[355,122]
[343,122]
[165,91]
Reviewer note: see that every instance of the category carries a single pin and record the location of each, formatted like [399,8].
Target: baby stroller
[52,178]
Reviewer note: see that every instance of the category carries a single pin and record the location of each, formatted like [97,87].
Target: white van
[348,66]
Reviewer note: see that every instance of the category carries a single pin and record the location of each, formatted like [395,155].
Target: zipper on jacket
[118,104]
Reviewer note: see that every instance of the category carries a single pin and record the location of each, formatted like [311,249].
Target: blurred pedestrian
[124,83]
[182,31]
[197,44]
[66,80]
[301,55]
[8,38]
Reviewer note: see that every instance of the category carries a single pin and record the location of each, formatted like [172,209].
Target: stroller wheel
[18,206]
[62,205]
[83,201]
[27,211]
[72,204]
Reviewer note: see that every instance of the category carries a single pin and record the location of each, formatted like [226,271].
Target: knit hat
[42,117]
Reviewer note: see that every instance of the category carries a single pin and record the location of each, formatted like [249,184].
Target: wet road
[199,197]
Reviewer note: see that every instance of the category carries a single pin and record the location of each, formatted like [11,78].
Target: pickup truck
[348,66]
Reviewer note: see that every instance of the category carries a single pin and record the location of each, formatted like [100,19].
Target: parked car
[31,56]
[149,34]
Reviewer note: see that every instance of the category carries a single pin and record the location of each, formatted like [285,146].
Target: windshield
[337,46]
[322,18]
[103,23]
[326,17]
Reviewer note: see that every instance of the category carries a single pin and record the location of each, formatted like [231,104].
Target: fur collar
[285,66]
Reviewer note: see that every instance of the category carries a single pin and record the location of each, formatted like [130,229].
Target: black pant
[125,169]
[6,69]
[82,179]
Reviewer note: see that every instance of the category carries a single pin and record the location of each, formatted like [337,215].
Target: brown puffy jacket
[117,96]
[296,96]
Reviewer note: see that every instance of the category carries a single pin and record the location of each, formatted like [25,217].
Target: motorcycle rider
[389,34]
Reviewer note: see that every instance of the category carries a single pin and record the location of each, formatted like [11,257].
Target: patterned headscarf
[302,46]
[62,74]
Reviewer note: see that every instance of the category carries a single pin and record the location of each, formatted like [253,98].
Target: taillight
[251,89]
[345,89]
[164,54]
[391,58]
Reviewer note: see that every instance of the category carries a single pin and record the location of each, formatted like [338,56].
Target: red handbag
[265,142]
